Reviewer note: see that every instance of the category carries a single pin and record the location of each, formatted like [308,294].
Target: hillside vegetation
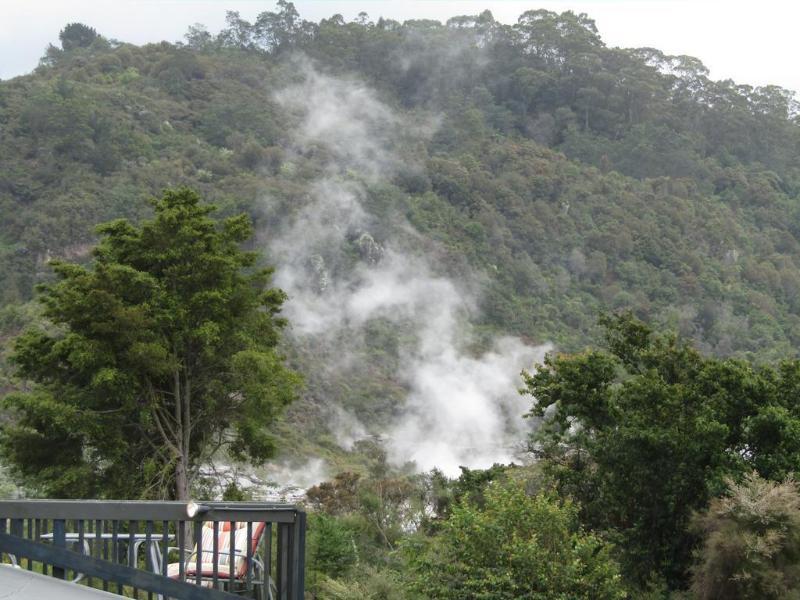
[575,177]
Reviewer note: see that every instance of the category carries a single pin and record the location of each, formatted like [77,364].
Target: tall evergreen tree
[77,35]
[159,354]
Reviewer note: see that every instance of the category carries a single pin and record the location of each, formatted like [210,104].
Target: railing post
[282,567]
[2,530]
[298,558]
[198,543]
[290,562]
[268,551]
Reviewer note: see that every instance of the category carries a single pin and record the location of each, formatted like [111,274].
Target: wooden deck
[19,584]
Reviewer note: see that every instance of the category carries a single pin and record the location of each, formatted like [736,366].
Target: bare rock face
[319,272]
[370,251]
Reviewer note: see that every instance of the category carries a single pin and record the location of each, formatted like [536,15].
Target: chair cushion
[206,570]
[223,548]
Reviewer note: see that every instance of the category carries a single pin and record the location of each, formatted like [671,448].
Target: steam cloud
[460,409]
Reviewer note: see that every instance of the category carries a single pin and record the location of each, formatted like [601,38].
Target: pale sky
[750,42]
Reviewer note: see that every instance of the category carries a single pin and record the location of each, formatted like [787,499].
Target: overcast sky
[750,42]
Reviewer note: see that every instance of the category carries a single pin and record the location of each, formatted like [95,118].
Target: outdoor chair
[260,580]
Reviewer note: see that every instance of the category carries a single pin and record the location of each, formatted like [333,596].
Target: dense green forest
[565,180]
[579,178]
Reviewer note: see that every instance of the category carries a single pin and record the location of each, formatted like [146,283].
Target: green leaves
[514,546]
[164,342]
[77,35]
[646,432]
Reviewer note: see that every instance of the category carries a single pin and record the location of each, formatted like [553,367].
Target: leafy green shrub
[370,584]
[331,549]
[751,546]
[515,547]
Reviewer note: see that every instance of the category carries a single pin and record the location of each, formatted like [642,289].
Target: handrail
[145,510]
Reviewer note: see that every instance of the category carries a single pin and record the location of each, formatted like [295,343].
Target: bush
[331,550]
[752,543]
[372,584]
[516,547]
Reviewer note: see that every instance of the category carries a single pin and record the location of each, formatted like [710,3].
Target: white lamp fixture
[193,509]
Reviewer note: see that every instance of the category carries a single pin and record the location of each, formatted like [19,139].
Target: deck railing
[147,549]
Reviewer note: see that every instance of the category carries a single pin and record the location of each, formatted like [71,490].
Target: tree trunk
[181,480]
[182,460]
[186,425]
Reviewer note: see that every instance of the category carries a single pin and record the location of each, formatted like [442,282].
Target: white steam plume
[460,409]
[344,116]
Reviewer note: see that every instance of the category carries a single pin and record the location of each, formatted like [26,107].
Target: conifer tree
[159,354]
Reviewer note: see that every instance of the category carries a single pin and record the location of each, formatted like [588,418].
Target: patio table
[133,550]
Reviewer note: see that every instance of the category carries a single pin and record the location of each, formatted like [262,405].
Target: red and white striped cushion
[223,550]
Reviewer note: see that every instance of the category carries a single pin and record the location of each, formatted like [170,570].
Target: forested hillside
[577,178]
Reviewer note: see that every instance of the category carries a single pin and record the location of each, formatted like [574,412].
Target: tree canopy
[646,431]
[516,546]
[77,35]
[158,355]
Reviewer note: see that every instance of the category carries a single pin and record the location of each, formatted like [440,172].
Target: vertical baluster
[300,565]
[148,552]
[80,548]
[249,559]
[17,528]
[11,526]
[46,530]
[115,548]
[59,541]
[31,535]
[268,556]
[232,555]
[290,564]
[198,541]
[41,528]
[3,530]
[102,527]
[181,550]
[281,561]
[164,553]
[99,547]
[90,545]
[133,561]
[215,556]
[165,547]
